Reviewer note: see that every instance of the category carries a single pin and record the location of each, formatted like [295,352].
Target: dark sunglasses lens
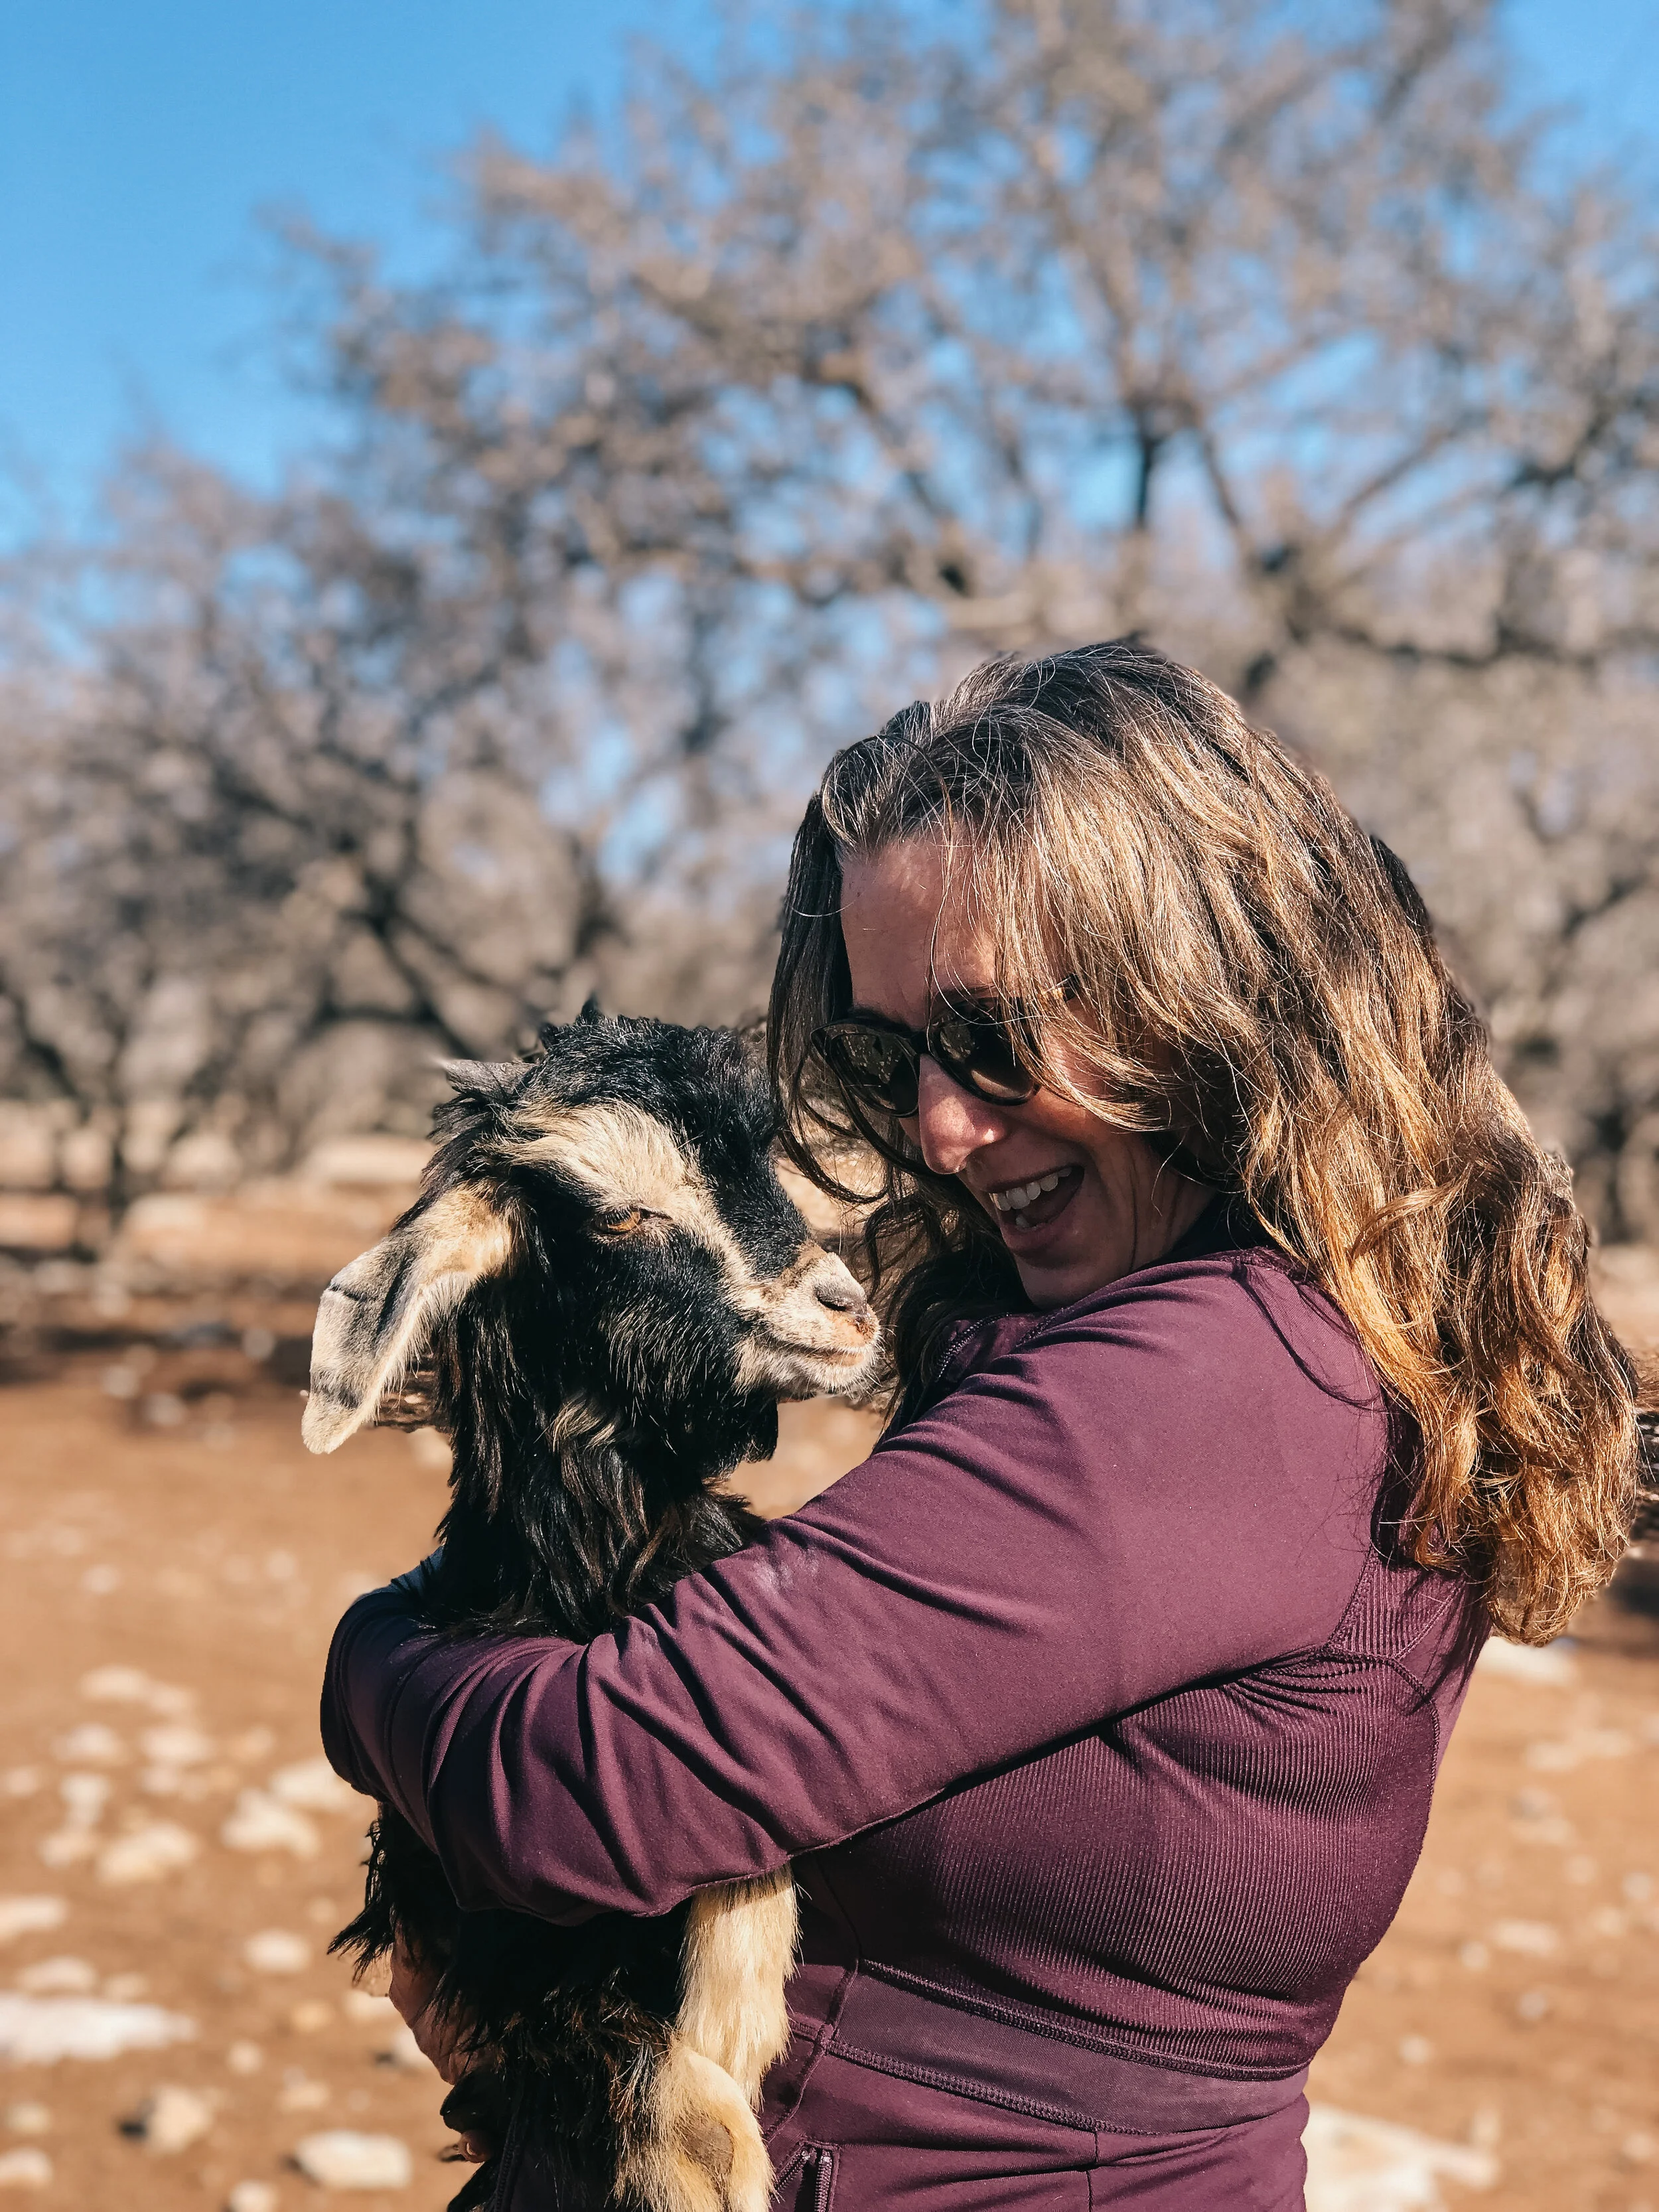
[979,1053]
[879,1069]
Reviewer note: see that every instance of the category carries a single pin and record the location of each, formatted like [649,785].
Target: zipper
[817,2179]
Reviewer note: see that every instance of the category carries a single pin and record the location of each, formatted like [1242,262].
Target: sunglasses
[877,1064]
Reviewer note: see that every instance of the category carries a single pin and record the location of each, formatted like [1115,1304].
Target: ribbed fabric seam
[1369,1569]
[934,2077]
[988,2009]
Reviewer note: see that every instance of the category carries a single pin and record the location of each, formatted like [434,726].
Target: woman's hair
[1252,984]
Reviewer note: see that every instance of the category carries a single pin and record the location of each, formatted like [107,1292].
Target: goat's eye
[623,1223]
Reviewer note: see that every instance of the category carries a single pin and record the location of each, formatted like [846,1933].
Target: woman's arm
[1174,1482]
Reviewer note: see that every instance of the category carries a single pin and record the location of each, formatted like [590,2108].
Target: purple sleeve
[1163,1486]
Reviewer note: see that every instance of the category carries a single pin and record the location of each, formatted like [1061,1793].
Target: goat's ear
[375,1312]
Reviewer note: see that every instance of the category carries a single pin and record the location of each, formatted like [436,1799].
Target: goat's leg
[701,2148]
[740,1941]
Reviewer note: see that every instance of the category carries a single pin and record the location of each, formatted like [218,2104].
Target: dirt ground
[174,1563]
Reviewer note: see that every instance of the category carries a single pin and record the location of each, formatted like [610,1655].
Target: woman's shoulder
[1213,1405]
[1225,1296]
[1227,1362]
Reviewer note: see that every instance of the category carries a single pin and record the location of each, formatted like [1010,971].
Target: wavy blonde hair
[1256,989]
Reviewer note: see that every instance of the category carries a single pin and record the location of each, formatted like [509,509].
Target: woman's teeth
[1022,1195]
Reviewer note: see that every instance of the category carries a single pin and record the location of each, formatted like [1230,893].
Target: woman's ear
[375,1313]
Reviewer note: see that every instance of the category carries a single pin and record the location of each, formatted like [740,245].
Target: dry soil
[157,1514]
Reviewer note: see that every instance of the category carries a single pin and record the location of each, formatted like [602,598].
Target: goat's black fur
[593,1395]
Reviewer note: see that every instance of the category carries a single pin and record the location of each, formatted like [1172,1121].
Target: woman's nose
[951,1122]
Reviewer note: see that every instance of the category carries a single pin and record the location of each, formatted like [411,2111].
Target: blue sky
[139,139]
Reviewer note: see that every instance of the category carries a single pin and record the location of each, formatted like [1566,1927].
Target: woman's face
[1114,1206]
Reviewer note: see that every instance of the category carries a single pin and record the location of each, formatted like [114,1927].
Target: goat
[602,1291]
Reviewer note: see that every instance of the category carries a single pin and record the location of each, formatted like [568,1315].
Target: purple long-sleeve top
[1096,1699]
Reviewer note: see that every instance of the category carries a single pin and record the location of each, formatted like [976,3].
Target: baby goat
[601,1293]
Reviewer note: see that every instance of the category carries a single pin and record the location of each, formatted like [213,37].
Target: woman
[1247,1374]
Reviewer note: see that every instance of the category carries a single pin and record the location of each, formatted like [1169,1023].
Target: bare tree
[279,848]
[879,347]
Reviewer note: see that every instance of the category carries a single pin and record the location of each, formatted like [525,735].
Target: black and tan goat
[602,1292]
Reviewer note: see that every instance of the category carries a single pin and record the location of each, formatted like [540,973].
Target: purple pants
[874,2143]
[887,2099]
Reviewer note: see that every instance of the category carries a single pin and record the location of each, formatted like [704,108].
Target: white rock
[275,1951]
[130,1685]
[339,2158]
[252,2196]
[30,1915]
[85,1795]
[1533,1939]
[171,2119]
[299,2094]
[263,1823]
[404,2053]
[40,2031]
[1359,2165]
[1604,1743]
[1560,1757]
[147,1854]
[67,1846]
[62,1977]
[245,2057]
[19,1781]
[1548,1666]
[360,2004]
[92,1744]
[116,1685]
[176,1743]
[27,2169]
[26,2119]
[313,1785]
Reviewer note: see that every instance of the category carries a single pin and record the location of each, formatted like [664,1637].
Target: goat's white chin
[805,1370]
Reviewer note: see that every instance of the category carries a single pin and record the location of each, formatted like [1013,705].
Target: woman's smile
[1024,1209]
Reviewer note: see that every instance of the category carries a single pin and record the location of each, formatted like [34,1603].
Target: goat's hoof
[704,2152]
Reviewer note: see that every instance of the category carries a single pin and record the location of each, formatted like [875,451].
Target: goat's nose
[841,1293]
[834,1285]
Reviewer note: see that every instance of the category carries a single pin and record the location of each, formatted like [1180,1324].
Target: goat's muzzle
[814,1333]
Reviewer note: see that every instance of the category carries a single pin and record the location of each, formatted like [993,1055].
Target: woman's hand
[413,1990]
